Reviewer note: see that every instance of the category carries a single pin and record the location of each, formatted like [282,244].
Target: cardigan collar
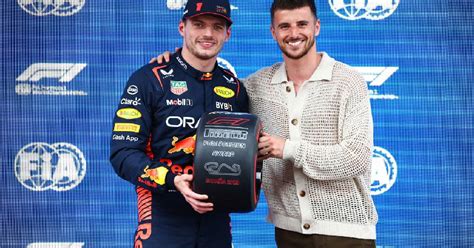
[322,73]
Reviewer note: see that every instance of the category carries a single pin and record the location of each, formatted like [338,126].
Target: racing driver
[154,132]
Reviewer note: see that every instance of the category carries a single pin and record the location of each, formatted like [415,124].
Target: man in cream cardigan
[318,138]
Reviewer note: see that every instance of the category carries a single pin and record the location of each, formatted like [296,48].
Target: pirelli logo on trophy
[225,134]
[225,162]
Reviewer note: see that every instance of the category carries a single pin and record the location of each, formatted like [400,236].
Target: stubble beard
[202,55]
[299,55]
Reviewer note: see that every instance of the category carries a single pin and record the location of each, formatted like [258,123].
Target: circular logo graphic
[54,7]
[176,4]
[384,171]
[368,9]
[41,166]
[381,9]
[132,90]
[349,10]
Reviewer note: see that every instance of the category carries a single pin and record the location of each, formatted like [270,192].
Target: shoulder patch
[158,73]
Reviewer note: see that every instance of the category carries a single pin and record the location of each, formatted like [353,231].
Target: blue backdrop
[65,63]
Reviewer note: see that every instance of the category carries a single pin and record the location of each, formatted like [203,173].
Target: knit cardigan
[322,186]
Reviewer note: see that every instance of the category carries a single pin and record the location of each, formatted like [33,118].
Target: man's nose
[294,32]
[208,32]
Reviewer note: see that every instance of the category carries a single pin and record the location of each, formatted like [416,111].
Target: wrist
[171,180]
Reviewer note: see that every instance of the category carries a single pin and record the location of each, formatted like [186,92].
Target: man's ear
[272,30]
[181,28]
[228,32]
[317,28]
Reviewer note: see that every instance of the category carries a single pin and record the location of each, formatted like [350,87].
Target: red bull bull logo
[157,175]
[186,145]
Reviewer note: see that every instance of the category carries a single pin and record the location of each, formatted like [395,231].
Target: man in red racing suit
[154,132]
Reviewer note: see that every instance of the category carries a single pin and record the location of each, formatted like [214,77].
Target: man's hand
[270,146]
[197,201]
[164,57]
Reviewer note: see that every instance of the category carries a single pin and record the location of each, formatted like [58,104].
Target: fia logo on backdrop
[51,7]
[49,79]
[384,171]
[373,10]
[42,166]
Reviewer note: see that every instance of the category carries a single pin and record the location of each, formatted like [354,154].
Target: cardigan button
[294,122]
[302,193]
[288,89]
[306,226]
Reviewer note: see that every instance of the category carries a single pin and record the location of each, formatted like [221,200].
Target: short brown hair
[292,4]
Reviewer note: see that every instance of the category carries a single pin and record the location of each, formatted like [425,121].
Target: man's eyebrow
[223,23]
[196,20]
[283,24]
[303,22]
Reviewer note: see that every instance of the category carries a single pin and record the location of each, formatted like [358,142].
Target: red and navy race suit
[153,141]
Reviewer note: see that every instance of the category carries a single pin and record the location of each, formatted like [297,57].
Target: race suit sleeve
[132,126]
[352,155]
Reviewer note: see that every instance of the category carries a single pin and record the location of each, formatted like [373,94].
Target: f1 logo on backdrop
[51,7]
[376,77]
[384,171]
[65,72]
[61,73]
[41,166]
[373,10]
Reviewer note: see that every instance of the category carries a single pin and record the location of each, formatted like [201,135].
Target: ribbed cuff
[170,181]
